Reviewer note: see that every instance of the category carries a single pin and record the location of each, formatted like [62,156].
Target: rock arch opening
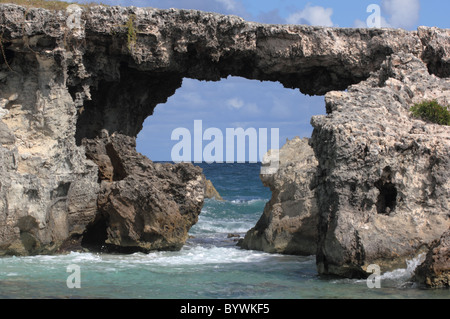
[230,104]
[108,128]
[251,104]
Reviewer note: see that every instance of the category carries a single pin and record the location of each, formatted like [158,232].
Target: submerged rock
[290,219]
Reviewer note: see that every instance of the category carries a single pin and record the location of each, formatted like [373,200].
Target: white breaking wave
[248,202]
[399,278]
[221,226]
[408,272]
[197,255]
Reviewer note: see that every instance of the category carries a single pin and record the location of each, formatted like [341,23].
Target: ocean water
[210,265]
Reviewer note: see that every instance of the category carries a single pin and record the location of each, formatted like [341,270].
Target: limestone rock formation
[290,219]
[142,206]
[382,186]
[434,272]
[59,192]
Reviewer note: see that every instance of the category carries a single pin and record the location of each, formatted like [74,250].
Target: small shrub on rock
[432,111]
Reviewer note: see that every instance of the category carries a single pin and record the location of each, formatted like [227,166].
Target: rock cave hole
[95,235]
[387,198]
[233,102]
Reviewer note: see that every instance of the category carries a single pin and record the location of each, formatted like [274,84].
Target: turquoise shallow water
[210,266]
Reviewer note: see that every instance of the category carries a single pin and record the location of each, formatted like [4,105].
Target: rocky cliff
[383,179]
[73,99]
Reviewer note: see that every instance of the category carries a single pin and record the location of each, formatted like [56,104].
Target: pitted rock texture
[63,90]
[142,206]
[290,219]
[383,185]
[434,272]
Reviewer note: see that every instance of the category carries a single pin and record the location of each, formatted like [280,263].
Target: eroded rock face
[142,206]
[290,219]
[384,177]
[434,272]
[47,187]
[382,187]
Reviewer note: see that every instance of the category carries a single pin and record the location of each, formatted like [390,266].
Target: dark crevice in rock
[29,242]
[96,234]
[73,90]
[27,224]
[434,54]
[32,194]
[61,191]
[438,67]
[45,42]
[387,199]
[119,172]
[5,53]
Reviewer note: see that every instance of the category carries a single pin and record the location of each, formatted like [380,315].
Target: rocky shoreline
[72,101]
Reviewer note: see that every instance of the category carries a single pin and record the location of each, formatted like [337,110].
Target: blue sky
[237,102]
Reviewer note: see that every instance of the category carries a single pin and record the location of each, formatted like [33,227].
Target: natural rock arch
[77,98]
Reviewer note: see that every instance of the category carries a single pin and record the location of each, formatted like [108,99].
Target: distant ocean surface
[210,266]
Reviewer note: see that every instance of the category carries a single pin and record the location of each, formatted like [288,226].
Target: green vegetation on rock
[432,111]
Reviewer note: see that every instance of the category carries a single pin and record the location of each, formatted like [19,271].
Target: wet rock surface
[434,272]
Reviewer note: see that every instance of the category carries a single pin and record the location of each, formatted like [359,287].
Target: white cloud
[247,109]
[312,15]
[396,14]
[228,4]
[252,109]
[235,103]
[401,13]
